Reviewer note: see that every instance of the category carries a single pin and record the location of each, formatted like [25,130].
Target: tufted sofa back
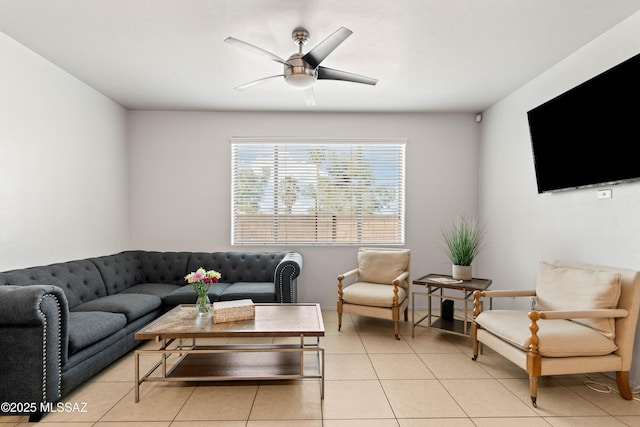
[79,280]
[238,266]
[86,280]
[119,271]
[129,268]
[164,267]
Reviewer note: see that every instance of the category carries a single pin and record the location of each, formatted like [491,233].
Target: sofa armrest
[285,278]
[33,342]
[22,305]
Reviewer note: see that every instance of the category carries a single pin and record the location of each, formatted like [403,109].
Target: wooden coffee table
[183,359]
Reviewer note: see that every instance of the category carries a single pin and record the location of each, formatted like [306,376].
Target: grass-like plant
[463,240]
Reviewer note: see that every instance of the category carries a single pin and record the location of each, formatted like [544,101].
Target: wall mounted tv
[590,134]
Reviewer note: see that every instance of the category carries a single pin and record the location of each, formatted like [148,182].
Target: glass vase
[203,305]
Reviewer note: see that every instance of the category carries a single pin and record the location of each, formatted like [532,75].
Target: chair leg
[622,379]
[339,314]
[406,314]
[395,316]
[533,390]
[474,336]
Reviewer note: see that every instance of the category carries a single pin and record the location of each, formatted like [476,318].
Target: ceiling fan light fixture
[298,73]
[300,81]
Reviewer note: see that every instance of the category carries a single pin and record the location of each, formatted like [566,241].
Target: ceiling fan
[302,70]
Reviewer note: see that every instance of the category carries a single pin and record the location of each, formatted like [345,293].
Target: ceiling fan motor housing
[298,73]
[300,36]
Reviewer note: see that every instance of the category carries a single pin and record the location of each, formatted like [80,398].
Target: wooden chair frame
[392,313]
[536,365]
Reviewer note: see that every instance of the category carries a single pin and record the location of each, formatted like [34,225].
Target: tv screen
[590,134]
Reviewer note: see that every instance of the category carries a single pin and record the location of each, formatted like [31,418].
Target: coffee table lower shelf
[230,363]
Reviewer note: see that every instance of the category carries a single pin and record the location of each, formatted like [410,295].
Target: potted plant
[463,242]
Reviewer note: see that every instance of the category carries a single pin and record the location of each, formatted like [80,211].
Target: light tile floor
[372,380]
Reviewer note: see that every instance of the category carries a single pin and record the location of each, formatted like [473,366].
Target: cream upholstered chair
[379,286]
[583,319]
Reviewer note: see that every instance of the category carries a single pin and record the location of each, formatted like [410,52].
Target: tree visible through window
[312,191]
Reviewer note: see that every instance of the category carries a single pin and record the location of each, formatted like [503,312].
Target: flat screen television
[589,135]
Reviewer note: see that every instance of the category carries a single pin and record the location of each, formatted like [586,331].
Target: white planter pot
[461,272]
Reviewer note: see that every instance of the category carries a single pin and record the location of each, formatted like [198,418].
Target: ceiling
[429,55]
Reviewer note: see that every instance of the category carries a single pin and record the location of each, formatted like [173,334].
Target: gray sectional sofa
[61,324]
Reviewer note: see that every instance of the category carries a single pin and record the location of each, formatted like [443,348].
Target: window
[317,191]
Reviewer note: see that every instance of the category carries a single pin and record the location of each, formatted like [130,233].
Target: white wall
[525,227]
[180,182]
[63,164]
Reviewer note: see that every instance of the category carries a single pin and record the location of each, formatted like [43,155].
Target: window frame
[396,167]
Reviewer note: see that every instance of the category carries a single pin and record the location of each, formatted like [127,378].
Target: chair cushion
[86,328]
[382,265]
[133,306]
[564,288]
[558,337]
[372,294]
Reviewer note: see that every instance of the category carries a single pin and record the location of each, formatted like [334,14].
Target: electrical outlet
[604,194]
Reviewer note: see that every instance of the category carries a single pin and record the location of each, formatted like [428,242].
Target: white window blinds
[315,191]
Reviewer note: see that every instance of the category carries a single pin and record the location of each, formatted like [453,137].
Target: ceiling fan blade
[316,55]
[325,73]
[309,96]
[254,49]
[257,82]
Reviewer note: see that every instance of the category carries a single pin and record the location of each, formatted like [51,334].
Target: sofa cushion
[382,266]
[256,291]
[86,328]
[186,294]
[371,294]
[513,327]
[564,288]
[79,280]
[158,289]
[132,306]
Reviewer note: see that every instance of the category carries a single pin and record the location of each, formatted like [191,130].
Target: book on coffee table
[444,280]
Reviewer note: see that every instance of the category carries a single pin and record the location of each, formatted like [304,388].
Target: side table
[435,285]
